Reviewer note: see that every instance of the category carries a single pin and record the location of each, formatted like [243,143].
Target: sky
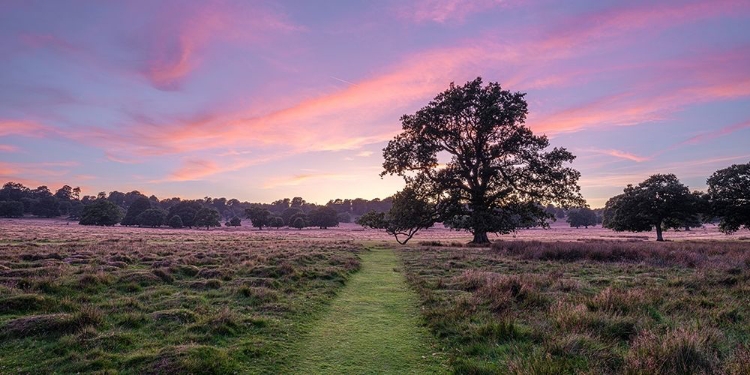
[261,100]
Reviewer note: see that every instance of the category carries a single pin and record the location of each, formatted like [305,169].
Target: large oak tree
[469,148]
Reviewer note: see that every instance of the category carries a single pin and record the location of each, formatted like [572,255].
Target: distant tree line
[136,209]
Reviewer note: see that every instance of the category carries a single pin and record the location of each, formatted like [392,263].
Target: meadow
[239,300]
[119,300]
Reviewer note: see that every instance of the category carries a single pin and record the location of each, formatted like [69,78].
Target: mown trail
[372,327]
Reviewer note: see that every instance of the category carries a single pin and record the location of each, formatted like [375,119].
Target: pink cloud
[8,148]
[22,128]
[716,133]
[184,32]
[622,155]
[441,11]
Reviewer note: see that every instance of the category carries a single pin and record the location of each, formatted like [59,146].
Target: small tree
[207,217]
[298,223]
[276,222]
[175,222]
[729,197]
[659,202]
[234,222]
[409,214]
[139,206]
[582,217]
[153,217]
[186,210]
[324,217]
[102,212]
[289,212]
[259,216]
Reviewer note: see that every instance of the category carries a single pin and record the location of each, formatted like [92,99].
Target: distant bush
[234,222]
[298,223]
[175,222]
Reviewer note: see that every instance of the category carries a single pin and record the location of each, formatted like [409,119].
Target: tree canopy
[471,154]
[659,202]
[259,217]
[134,210]
[101,212]
[207,217]
[324,217]
[582,217]
[729,197]
[152,217]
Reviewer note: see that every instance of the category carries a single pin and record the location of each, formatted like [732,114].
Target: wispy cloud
[706,136]
[621,155]
[8,148]
[442,11]
[23,128]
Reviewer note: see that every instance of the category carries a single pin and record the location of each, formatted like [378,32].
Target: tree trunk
[658,232]
[480,238]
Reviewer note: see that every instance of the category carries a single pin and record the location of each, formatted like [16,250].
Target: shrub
[298,223]
[175,222]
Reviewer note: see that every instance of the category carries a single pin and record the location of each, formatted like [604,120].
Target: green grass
[373,327]
[551,308]
[204,303]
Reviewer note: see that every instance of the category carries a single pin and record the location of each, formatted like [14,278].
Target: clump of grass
[141,278]
[430,243]
[53,324]
[163,274]
[174,315]
[206,284]
[190,359]
[679,351]
[616,301]
[258,295]
[22,303]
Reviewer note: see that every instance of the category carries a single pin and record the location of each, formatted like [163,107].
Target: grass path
[372,327]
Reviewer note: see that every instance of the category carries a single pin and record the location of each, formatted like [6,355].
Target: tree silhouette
[659,202]
[207,217]
[729,197]
[469,150]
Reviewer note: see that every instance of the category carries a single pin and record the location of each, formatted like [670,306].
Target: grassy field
[597,307]
[235,300]
[161,302]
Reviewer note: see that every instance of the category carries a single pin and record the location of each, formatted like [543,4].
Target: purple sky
[265,100]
